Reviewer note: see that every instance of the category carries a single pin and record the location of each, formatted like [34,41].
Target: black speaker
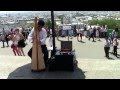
[62,63]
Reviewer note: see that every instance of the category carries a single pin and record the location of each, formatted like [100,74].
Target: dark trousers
[105,34]
[3,43]
[115,50]
[106,49]
[102,34]
[7,40]
[7,43]
[92,36]
[44,51]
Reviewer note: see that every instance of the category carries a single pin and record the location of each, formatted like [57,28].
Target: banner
[66,27]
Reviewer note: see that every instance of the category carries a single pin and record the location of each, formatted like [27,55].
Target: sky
[6,12]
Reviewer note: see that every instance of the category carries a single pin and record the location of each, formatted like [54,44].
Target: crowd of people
[18,36]
[97,32]
[93,32]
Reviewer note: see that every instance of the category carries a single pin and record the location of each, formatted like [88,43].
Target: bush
[111,23]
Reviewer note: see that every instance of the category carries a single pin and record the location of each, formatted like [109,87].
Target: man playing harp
[42,38]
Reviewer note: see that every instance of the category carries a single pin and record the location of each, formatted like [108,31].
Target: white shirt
[105,30]
[91,30]
[107,43]
[50,31]
[42,36]
[78,30]
[51,41]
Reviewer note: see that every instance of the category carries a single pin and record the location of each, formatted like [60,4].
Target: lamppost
[53,32]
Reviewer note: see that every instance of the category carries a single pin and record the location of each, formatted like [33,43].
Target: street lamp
[53,32]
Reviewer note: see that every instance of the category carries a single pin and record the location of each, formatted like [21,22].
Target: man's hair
[41,23]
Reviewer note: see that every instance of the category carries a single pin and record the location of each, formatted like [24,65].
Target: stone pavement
[20,68]
[90,56]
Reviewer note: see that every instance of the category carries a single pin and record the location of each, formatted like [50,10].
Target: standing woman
[81,34]
[105,31]
[102,32]
[21,43]
[85,31]
[78,34]
[98,33]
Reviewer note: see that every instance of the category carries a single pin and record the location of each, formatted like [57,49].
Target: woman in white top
[21,43]
[98,33]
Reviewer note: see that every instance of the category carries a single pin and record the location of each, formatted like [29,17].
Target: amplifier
[62,63]
[66,46]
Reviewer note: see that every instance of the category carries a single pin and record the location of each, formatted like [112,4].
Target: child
[14,44]
[107,47]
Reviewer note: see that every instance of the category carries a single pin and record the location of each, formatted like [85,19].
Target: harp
[37,63]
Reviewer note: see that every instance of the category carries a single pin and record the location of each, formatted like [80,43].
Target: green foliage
[48,24]
[31,25]
[111,23]
[110,31]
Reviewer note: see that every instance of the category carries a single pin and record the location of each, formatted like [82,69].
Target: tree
[48,24]
[61,17]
